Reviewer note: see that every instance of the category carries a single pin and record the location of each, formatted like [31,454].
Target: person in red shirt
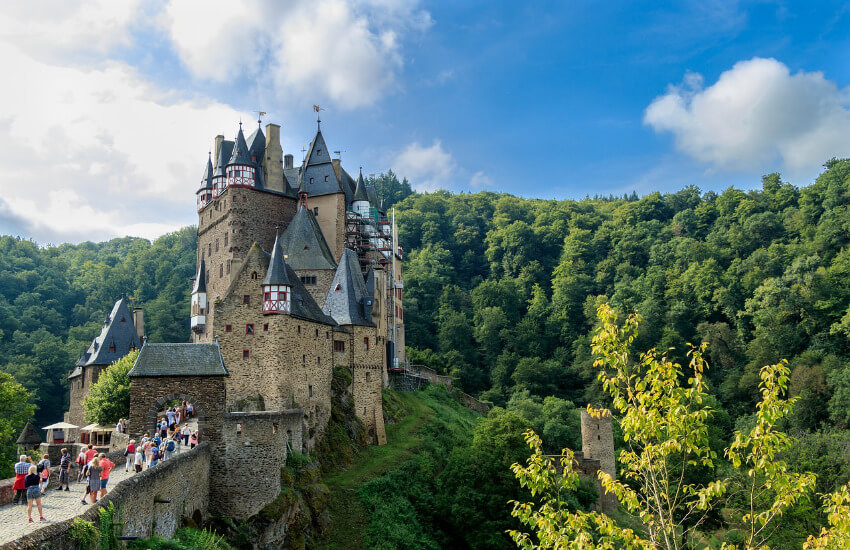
[90,453]
[106,466]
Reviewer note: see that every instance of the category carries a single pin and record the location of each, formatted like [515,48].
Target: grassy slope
[349,518]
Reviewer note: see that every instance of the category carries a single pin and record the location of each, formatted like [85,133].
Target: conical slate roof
[224,152]
[200,279]
[257,145]
[318,176]
[360,193]
[277,274]
[241,154]
[29,436]
[116,337]
[348,299]
[304,244]
[206,179]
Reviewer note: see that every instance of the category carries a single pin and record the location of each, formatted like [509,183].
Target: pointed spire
[360,193]
[241,153]
[206,179]
[200,279]
[278,272]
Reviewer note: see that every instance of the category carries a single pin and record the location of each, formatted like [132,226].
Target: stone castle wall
[324,278]
[255,447]
[288,363]
[79,388]
[331,218]
[597,443]
[367,381]
[183,480]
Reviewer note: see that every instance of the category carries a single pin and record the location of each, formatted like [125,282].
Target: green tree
[16,409]
[109,397]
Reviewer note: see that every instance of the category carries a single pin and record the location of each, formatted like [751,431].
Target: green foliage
[84,534]
[16,409]
[53,301]
[109,397]
[187,538]
[107,527]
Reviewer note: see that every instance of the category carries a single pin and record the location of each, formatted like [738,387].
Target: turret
[199,300]
[205,192]
[277,287]
[241,170]
[360,203]
[219,179]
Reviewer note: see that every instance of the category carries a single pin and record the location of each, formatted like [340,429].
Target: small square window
[246,354]
[228,328]
[249,329]
[339,345]
[265,327]
[246,299]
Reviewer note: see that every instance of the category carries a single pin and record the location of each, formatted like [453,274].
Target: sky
[109,107]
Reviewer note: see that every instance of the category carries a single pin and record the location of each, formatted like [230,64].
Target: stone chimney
[218,139]
[272,169]
[139,323]
[288,161]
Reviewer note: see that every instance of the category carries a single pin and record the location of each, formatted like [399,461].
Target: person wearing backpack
[154,457]
[169,449]
[130,455]
[44,473]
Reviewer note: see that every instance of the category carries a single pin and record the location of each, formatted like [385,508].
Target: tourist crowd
[31,479]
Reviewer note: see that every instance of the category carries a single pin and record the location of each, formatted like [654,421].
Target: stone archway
[149,395]
[199,413]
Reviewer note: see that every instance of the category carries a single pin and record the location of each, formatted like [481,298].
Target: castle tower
[273,162]
[277,288]
[597,442]
[205,192]
[319,181]
[241,169]
[199,300]
[360,204]
[307,252]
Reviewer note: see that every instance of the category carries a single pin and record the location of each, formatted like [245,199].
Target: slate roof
[360,193]
[29,436]
[257,145]
[224,153]
[318,176]
[206,179]
[277,274]
[373,197]
[119,332]
[348,183]
[179,360]
[304,244]
[348,297]
[241,154]
[293,180]
[200,279]
[370,282]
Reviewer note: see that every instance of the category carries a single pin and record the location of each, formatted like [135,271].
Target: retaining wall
[182,480]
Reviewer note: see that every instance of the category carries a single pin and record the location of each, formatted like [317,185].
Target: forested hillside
[54,300]
[501,292]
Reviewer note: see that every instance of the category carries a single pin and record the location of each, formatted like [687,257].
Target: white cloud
[427,168]
[312,50]
[97,153]
[757,113]
[480,180]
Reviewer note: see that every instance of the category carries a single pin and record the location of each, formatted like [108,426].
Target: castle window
[239,429]
[326,178]
[318,361]
[303,360]
[228,328]
[265,327]
[249,329]
[316,210]
[221,270]
[339,345]
[274,427]
[366,343]
[209,249]
[368,376]
[246,354]
[310,389]
[317,333]
[225,239]
[112,349]
[254,275]
[327,335]
[311,180]
[216,245]
[246,299]
[228,267]
[299,329]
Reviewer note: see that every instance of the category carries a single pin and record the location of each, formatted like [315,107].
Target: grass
[349,518]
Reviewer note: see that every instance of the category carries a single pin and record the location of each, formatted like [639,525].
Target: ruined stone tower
[597,443]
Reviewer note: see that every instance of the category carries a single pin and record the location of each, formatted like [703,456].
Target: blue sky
[119,101]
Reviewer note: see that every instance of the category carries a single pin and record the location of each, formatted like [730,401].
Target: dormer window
[311,180]
[112,349]
[326,178]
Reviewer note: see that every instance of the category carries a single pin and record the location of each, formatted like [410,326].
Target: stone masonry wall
[288,363]
[183,480]
[79,388]
[597,442]
[367,382]
[148,395]
[256,446]
[331,218]
[228,227]
[324,278]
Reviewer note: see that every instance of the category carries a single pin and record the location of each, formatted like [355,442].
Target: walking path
[58,505]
